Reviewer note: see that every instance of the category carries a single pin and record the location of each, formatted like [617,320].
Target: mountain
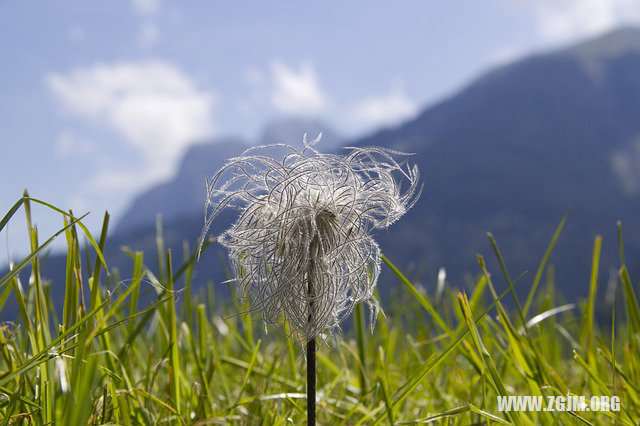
[515,150]
[510,153]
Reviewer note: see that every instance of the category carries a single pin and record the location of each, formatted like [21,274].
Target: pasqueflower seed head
[302,247]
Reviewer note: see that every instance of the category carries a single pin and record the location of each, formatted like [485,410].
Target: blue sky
[98,100]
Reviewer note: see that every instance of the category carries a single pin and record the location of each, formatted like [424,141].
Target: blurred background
[518,112]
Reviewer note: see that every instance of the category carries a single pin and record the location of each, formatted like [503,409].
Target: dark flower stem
[311,341]
[311,382]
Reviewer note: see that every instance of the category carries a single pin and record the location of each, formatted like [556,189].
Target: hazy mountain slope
[516,149]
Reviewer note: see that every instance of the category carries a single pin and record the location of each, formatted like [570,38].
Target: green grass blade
[503,267]
[174,356]
[95,278]
[591,303]
[543,264]
[358,318]
[387,402]
[7,217]
[620,243]
[419,297]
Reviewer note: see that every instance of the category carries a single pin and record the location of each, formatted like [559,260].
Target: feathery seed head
[302,245]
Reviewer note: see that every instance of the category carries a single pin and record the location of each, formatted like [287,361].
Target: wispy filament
[302,246]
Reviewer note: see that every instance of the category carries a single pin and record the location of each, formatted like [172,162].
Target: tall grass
[113,357]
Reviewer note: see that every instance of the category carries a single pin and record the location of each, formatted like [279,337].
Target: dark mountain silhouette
[516,149]
[510,153]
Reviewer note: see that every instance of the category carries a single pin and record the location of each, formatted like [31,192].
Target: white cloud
[382,110]
[154,105]
[147,7]
[296,91]
[562,20]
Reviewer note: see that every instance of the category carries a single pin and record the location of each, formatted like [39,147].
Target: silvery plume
[302,246]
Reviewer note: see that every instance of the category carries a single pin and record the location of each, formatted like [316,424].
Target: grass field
[113,357]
